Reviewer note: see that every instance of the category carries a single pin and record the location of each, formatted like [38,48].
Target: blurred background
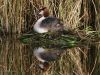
[80,17]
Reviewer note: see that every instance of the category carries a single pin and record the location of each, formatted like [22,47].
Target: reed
[19,16]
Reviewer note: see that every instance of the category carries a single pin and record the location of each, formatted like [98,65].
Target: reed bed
[19,16]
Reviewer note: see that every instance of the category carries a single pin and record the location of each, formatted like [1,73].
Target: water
[15,57]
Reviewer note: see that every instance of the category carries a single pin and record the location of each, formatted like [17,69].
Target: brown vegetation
[79,16]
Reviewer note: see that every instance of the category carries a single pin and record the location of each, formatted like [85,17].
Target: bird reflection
[45,57]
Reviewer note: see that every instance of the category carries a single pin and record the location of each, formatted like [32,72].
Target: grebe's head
[44,12]
[44,66]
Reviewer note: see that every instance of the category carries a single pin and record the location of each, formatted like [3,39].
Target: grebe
[47,23]
[46,56]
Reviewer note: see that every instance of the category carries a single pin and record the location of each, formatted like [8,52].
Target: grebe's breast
[37,27]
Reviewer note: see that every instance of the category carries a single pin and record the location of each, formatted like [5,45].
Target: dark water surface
[15,57]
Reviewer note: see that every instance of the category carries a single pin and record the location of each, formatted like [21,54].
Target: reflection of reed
[18,16]
[15,57]
[18,59]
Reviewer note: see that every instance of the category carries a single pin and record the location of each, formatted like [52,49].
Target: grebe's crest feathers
[43,8]
[44,12]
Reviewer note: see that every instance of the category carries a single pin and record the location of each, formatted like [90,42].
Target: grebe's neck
[37,53]
[39,50]
[37,27]
[40,19]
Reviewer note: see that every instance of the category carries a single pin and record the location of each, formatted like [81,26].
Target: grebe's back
[52,24]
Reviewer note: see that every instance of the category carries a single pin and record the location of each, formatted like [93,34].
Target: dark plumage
[52,23]
[50,55]
[46,56]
